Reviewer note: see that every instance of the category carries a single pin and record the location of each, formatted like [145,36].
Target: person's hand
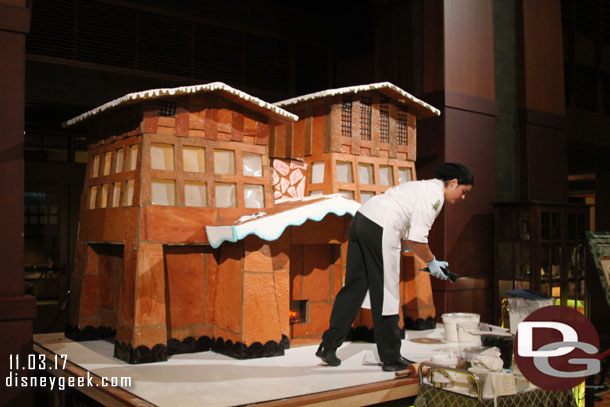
[435,268]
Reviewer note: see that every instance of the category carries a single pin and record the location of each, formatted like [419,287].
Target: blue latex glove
[435,268]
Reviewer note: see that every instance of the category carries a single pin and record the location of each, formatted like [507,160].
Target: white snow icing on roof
[357,89]
[271,227]
[157,93]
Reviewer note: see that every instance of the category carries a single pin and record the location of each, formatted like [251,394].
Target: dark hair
[449,171]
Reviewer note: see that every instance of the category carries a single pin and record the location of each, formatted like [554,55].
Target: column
[16,311]
[458,77]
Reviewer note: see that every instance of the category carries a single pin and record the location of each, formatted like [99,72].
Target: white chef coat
[405,212]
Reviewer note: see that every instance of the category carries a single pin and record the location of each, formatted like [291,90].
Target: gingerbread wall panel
[150,285]
[320,129]
[124,333]
[90,296]
[296,272]
[280,143]
[339,268]
[185,279]
[210,130]
[108,225]
[330,230]
[316,275]
[108,318]
[226,335]
[237,123]
[229,289]
[177,225]
[282,295]
[260,309]
[280,251]
[110,270]
[211,287]
[258,255]
[150,118]
[149,335]
[127,287]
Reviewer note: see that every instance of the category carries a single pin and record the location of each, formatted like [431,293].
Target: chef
[396,220]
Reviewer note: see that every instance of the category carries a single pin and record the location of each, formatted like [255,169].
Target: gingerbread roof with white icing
[228,92]
[419,107]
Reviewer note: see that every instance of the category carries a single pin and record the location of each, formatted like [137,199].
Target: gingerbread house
[204,223]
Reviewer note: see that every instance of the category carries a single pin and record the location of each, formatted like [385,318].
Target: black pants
[364,271]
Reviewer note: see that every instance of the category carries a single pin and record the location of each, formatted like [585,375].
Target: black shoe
[328,356]
[396,365]
[410,362]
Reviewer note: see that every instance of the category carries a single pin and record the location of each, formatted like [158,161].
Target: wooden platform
[210,379]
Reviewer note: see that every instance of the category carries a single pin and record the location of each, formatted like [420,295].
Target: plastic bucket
[458,325]
[520,308]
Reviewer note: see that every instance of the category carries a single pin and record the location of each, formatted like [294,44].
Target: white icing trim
[357,89]
[156,93]
[271,227]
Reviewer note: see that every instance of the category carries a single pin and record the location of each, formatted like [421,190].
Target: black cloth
[364,271]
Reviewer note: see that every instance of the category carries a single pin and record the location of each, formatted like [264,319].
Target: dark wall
[16,310]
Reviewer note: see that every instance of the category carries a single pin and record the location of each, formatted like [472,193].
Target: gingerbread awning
[291,212]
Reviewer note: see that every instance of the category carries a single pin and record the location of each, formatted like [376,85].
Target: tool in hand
[448,273]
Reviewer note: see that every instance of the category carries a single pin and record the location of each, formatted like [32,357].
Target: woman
[403,215]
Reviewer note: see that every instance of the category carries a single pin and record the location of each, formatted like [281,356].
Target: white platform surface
[211,379]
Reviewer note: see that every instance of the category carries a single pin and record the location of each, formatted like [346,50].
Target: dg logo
[557,348]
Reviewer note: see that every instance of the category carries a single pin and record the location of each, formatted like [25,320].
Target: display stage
[296,379]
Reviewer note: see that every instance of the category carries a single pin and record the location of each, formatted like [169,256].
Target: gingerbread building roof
[271,224]
[419,107]
[232,94]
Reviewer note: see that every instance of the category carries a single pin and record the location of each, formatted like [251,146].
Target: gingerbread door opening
[190,288]
[315,279]
[99,300]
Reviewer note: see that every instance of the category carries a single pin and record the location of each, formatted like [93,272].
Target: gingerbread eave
[276,114]
[415,105]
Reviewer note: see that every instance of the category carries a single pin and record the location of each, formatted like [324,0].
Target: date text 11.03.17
[37,362]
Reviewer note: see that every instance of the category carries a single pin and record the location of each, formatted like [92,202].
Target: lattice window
[365,118]
[403,127]
[166,109]
[384,120]
[346,116]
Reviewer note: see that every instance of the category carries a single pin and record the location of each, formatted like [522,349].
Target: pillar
[16,311]
[544,157]
[458,77]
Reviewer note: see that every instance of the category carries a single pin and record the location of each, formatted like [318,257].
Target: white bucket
[458,326]
[445,359]
[520,308]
